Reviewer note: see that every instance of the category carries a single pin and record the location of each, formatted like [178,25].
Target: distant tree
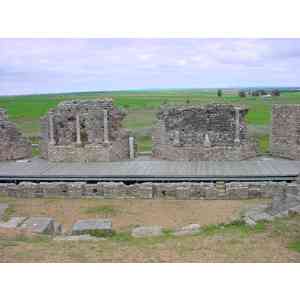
[242,94]
[275,93]
[263,92]
[219,93]
[255,93]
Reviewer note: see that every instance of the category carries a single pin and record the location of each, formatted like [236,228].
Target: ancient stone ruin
[12,144]
[87,131]
[285,135]
[209,132]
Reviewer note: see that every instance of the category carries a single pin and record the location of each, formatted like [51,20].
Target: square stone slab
[39,225]
[85,226]
[147,231]
[3,208]
[13,222]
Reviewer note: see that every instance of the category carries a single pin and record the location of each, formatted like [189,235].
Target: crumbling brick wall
[12,144]
[88,130]
[209,132]
[285,135]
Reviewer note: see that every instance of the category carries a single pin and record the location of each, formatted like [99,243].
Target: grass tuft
[295,246]
[103,209]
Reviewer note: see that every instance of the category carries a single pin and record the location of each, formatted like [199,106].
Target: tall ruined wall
[210,132]
[88,130]
[12,144]
[285,135]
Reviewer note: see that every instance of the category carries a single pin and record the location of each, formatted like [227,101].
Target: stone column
[206,141]
[105,127]
[176,138]
[131,147]
[78,137]
[237,126]
[51,129]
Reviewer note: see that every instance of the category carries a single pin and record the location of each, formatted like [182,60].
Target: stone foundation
[12,144]
[285,135]
[210,132]
[199,152]
[143,191]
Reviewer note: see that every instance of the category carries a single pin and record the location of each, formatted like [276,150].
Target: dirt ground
[128,213]
[266,242]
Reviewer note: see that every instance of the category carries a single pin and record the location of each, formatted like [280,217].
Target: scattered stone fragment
[82,237]
[92,225]
[13,222]
[146,231]
[294,210]
[39,225]
[57,228]
[249,221]
[186,230]
[262,216]
[3,208]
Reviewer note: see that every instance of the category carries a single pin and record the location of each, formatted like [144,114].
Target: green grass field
[142,107]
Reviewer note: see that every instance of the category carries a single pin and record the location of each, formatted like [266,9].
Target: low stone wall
[119,190]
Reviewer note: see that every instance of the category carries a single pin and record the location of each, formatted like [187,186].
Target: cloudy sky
[30,66]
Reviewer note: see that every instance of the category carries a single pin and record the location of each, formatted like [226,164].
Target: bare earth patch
[128,213]
[265,243]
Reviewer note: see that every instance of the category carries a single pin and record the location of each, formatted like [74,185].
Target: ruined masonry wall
[209,132]
[12,144]
[118,190]
[285,135]
[85,131]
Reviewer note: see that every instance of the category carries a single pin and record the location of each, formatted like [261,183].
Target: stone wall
[140,191]
[210,132]
[285,135]
[12,144]
[85,131]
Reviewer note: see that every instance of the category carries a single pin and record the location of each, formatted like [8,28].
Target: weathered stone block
[187,230]
[14,222]
[76,189]
[146,231]
[39,225]
[91,225]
